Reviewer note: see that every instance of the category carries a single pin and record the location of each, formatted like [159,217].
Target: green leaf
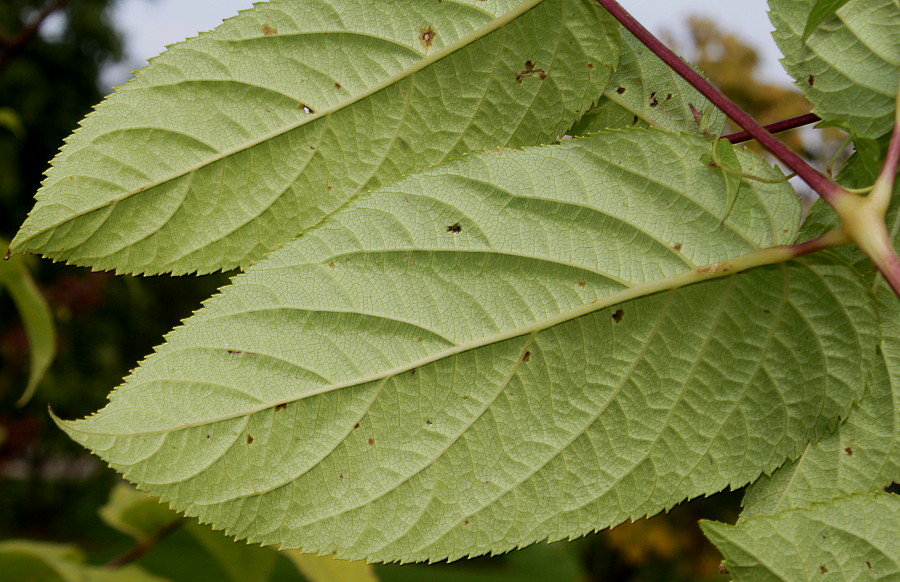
[234,142]
[852,538]
[730,167]
[36,319]
[645,92]
[11,121]
[850,68]
[863,454]
[496,352]
[135,513]
[241,562]
[327,569]
[22,560]
[821,11]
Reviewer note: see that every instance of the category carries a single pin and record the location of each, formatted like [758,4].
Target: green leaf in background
[136,514]
[645,92]
[328,569]
[822,10]
[143,517]
[851,538]
[11,121]
[498,352]
[232,143]
[241,562]
[22,561]
[36,318]
[850,68]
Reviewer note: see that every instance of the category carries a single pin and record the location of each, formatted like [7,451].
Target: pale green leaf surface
[645,92]
[37,318]
[232,143]
[730,167]
[822,10]
[863,454]
[475,359]
[22,560]
[849,68]
[328,569]
[850,538]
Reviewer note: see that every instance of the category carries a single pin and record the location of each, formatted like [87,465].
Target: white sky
[150,25]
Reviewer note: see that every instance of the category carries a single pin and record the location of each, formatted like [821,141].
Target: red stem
[823,185]
[778,126]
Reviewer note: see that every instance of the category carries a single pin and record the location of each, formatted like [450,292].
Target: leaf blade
[412,365]
[143,187]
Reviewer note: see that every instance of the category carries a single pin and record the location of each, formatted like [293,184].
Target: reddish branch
[14,45]
[823,185]
[777,127]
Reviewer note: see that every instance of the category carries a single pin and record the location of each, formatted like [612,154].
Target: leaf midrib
[715,270]
[427,61]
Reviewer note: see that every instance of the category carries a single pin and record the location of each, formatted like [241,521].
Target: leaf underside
[849,538]
[849,67]
[643,92]
[490,354]
[232,143]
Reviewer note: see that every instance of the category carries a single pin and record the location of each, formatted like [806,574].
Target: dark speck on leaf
[618,315]
[307,109]
[620,90]
[249,439]
[454,228]
[823,570]
[338,86]
[677,246]
[635,120]
[269,30]
[371,442]
[356,425]
[428,422]
[526,357]
[581,283]
[466,522]
[849,451]
[280,407]
[811,81]
[235,353]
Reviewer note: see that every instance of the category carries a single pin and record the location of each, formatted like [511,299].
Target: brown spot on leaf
[280,407]
[426,37]
[420,340]
[823,569]
[208,437]
[371,442]
[581,283]
[307,109]
[530,71]
[428,422]
[235,353]
[249,439]
[526,357]
[338,86]
[412,372]
[668,96]
[269,30]
[329,187]
[466,522]
[454,228]
[811,81]
[618,316]
[767,311]
[849,451]
[677,246]
[7,255]
[634,120]
[341,476]
[869,565]
[620,90]
[723,569]
[356,425]
[331,265]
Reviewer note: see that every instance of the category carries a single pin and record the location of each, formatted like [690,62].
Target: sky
[150,25]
